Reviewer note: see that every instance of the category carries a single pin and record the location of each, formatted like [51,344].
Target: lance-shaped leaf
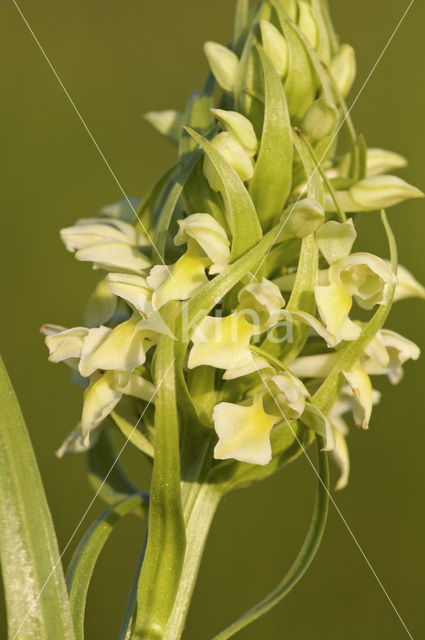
[84,559]
[249,76]
[172,197]
[105,474]
[271,183]
[300,86]
[36,598]
[240,25]
[160,575]
[246,229]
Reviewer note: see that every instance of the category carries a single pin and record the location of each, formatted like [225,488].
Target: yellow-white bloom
[275,46]
[287,394]
[361,387]
[222,342]
[261,303]
[387,353]
[131,288]
[224,64]
[380,161]
[232,151]
[244,432]
[169,123]
[320,120]
[343,68]
[65,345]
[240,127]
[301,219]
[110,244]
[373,193]
[335,239]
[361,276]
[122,348]
[307,23]
[203,229]
[179,281]
[100,398]
[407,285]
[104,393]
[252,364]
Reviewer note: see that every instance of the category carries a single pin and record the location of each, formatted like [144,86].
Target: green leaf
[135,436]
[171,199]
[85,556]
[105,474]
[241,25]
[197,194]
[271,183]
[302,296]
[36,598]
[315,62]
[324,48]
[159,578]
[249,78]
[147,208]
[303,559]
[300,85]
[199,117]
[243,219]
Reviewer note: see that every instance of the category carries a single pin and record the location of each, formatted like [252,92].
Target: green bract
[251,327]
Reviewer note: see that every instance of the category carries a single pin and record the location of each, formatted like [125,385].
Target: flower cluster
[248,242]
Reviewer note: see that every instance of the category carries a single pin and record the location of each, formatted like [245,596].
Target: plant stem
[198,524]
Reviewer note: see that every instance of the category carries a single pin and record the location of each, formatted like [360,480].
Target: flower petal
[221,342]
[361,386]
[261,302]
[187,278]
[335,239]
[114,255]
[122,348]
[244,432]
[209,235]
[99,400]
[133,289]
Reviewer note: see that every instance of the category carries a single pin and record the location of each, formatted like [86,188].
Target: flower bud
[335,239]
[167,123]
[380,161]
[379,192]
[290,6]
[319,120]
[235,155]
[407,285]
[240,127]
[301,219]
[224,64]
[307,23]
[275,46]
[343,68]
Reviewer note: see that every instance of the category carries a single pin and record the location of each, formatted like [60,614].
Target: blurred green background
[119,60]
